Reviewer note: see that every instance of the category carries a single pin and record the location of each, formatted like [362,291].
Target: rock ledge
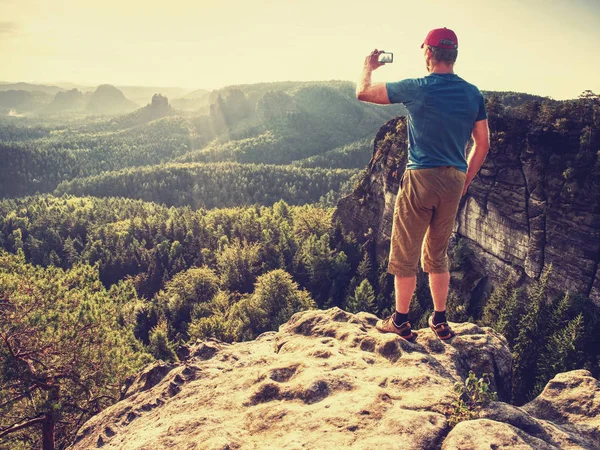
[328,379]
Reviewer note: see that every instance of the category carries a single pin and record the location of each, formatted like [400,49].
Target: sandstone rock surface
[329,380]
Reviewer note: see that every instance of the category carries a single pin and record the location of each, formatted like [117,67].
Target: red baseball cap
[441,37]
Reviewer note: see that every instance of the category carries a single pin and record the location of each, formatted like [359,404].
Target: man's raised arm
[367,92]
[481,136]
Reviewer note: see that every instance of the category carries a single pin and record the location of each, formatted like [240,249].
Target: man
[444,111]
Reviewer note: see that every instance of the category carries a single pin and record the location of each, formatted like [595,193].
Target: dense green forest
[355,155]
[123,238]
[216,185]
[151,243]
[39,165]
[267,125]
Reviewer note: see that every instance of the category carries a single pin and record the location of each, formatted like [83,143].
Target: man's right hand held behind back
[481,137]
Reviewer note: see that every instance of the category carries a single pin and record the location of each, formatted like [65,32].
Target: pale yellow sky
[545,47]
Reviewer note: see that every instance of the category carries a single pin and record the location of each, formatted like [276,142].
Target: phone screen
[386,57]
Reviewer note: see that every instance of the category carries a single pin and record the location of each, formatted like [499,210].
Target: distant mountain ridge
[142,95]
[29,87]
[198,93]
[22,100]
[105,100]
[197,101]
[185,99]
[182,99]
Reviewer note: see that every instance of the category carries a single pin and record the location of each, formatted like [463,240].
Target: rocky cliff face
[328,380]
[521,214]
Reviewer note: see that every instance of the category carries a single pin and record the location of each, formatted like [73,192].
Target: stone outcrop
[327,380]
[157,109]
[71,100]
[109,100]
[160,104]
[565,415]
[520,215]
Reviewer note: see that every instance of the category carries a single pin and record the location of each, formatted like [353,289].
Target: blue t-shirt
[442,110]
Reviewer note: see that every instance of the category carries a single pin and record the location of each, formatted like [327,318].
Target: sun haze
[539,47]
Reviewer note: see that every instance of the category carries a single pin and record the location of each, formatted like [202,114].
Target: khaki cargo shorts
[426,207]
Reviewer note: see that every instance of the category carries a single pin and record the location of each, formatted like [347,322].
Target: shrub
[469,397]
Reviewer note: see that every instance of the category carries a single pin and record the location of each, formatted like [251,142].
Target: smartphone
[386,57]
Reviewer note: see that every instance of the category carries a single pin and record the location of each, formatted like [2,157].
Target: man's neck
[442,69]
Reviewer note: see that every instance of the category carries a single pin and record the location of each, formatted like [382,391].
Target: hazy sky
[546,47]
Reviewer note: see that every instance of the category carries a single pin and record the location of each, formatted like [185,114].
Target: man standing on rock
[444,111]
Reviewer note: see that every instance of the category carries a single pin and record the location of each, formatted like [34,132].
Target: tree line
[218,185]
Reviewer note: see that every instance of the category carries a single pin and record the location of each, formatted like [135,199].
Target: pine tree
[278,296]
[457,308]
[239,264]
[496,303]
[322,270]
[64,351]
[182,293]
[71,255]
[547,113]
[364,267]
[508,317]
[495,108]
[532,328]
[560,311]
[363,299]
[560,353]
[160,347]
